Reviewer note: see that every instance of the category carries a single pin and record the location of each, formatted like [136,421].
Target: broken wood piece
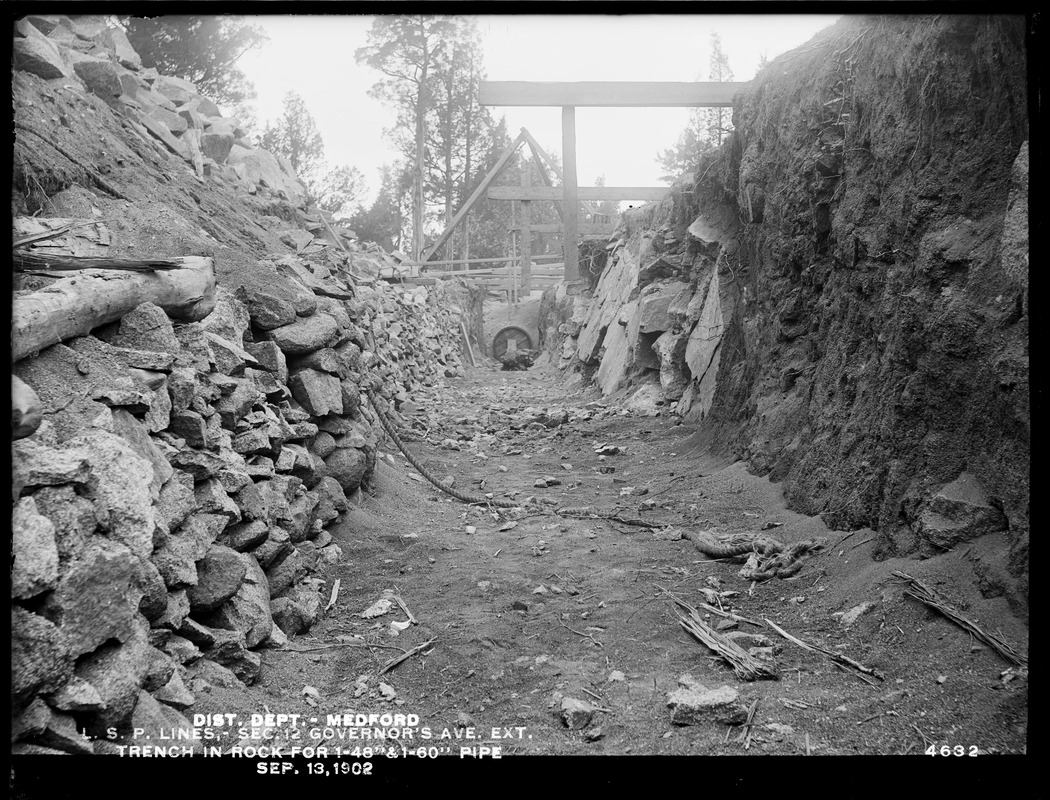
[77,305]
[405,656]
[335,594]
[400,602]
[844,662]
[712,609]
[749,724]
[48,233]
[745,665]
[730,615]
[920,591]
[23,260]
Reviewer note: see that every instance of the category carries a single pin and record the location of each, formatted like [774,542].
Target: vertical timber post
[569,194]
[526,234]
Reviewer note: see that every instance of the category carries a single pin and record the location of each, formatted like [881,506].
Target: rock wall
[175,494]
[840,297]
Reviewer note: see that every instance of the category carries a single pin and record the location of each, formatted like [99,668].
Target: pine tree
[201,49]
[295,136]
[707,127]
[406,50]
[338,190]
[720,119]
[381,223]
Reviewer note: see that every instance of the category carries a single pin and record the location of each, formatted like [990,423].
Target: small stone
[174,692]
[697,704]
[855,613]
[575,714]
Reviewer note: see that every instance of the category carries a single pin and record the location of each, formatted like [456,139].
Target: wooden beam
[582,193]
[477,195]
[570,196]
[537,153]
[469,261]
[609,93]
[583,228]
[526,234]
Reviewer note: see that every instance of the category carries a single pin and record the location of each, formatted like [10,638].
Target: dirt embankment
[841,299]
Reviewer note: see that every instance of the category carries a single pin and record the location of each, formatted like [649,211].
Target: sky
[314,56]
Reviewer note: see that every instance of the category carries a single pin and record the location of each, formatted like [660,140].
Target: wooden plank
[497,168]
[499,260]
[584,228]
[570,196]
[650,94]
[582,193]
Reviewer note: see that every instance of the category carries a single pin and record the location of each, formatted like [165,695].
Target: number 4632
[946,750]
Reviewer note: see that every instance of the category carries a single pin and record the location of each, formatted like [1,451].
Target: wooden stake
[466,338]
[395,661]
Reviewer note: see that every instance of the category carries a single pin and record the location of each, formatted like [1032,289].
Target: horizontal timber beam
[557,227]
[582,192]
[649,94]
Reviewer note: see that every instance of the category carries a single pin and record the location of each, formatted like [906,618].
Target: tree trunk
[75,306]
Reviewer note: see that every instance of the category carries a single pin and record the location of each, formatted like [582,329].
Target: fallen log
[77,305]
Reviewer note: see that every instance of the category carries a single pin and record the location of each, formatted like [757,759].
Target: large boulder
[217,145]
[259,167]
[306,335]
[73,516]
[34,553]
[958,512]
[175,89]
[116,40]
[153,720]
[40,661]
[348,466]
[40,56]
[318,392]
[97,597]
[117,672]
[248,610]
[177,559]
[34,464]
[102,77]
[229,319]
[219,576]
[123,483]
[268,311]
